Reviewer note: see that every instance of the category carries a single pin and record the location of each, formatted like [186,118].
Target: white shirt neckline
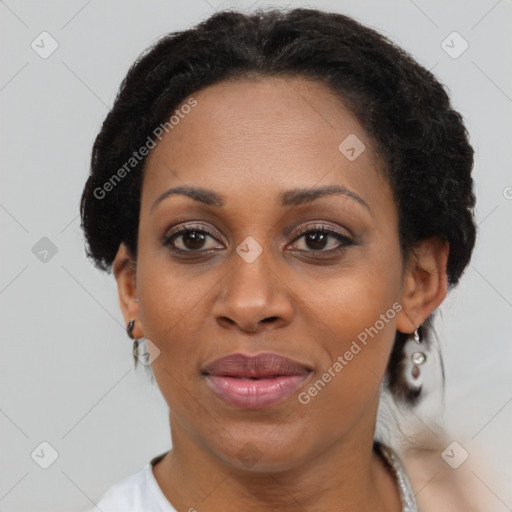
[141,491]
[159,495]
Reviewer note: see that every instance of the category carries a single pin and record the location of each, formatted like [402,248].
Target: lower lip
[255,393]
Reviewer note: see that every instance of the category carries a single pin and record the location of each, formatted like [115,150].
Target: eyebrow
[294,197]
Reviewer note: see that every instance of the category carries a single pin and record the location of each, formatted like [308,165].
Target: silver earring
[417,358]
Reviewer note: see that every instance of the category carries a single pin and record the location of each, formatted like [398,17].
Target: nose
[253,297]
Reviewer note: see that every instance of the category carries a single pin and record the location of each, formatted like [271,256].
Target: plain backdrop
[66,369]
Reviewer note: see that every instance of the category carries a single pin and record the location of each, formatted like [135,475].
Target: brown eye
[190,239]
[321,239]
[193,239]
[316,240]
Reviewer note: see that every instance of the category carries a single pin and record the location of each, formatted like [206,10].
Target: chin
[262,453]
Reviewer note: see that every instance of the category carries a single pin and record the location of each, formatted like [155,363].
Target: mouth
[255,382]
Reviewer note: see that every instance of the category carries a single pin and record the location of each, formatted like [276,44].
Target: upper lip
[261,365]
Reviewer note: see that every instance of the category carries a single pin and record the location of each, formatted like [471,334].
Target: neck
[347,476]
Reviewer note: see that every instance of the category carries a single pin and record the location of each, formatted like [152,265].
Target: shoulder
[445,480]
[123,495]
[136,492]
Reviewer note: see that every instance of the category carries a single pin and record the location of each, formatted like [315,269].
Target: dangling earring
[417,358]
[129,331]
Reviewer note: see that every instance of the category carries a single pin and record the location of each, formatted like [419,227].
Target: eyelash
[345,241]
[172,235]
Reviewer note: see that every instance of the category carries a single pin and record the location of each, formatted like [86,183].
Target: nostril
[269,319]
[227,320]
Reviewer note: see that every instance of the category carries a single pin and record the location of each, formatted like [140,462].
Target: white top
[140,492]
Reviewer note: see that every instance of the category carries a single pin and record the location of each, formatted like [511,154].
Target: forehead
[256,135]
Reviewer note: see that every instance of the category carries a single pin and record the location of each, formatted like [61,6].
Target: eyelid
[320,226]
[188,226]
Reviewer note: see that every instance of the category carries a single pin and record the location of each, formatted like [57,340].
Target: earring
[417,358]
[129,331]
[129,328]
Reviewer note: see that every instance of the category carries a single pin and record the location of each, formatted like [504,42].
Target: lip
[255,382]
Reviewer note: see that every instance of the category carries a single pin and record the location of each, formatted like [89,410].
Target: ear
[124,269]
[425,283]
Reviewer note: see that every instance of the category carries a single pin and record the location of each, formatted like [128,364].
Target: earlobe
[124,270]
[425,283]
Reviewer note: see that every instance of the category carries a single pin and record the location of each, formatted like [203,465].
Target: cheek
[362,331]
[356,352]
[173,308]
[359,307]
[363,292]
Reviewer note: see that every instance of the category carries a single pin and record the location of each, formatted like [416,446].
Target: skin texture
[250,140]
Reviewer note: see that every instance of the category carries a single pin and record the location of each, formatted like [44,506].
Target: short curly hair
[422,142]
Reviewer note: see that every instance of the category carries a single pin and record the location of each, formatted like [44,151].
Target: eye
[190,238]
[193,238]
[321,238]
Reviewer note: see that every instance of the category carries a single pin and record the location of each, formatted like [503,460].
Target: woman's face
[254,283]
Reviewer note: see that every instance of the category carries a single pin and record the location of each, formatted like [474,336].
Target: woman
[284,199]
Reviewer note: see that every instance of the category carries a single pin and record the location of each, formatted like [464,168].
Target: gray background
[66,369]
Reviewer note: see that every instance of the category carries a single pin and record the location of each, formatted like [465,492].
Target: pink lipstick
[255,382]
